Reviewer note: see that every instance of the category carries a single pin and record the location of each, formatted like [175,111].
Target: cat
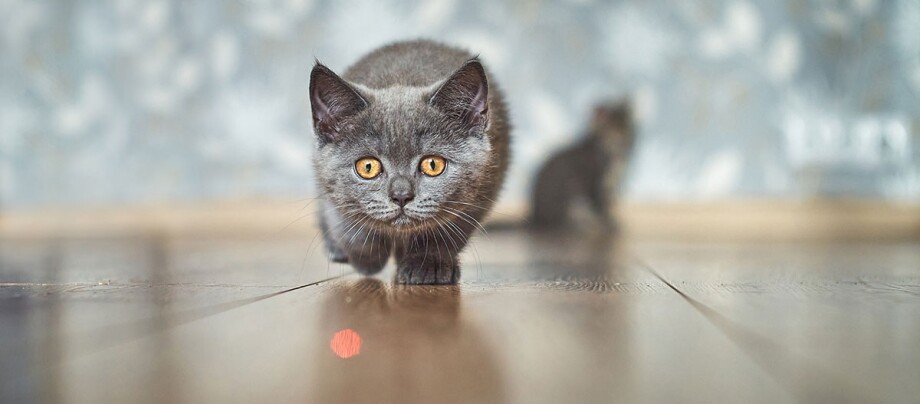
[411,152]
[589,171]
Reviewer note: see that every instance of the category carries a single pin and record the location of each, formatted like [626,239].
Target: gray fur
[398,104]
[590,171]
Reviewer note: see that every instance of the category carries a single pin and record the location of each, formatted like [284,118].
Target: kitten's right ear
[332,100]
[464,95]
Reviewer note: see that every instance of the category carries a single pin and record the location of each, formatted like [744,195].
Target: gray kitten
[589,171]
[412,147]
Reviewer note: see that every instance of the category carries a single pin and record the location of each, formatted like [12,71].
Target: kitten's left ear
[333,101]
[464,95]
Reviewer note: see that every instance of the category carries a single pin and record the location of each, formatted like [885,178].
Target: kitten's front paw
[333,251]
[429,273]
[368,265]
[337,255]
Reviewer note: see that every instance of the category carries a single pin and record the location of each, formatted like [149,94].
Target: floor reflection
[22,354]
[415,346]
[590,261]
[579,318]
[596,336]
[804,379]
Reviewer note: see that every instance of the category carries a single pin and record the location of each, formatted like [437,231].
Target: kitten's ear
[332,100]
[464,96]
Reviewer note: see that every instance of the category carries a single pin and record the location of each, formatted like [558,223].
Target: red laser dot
[346,343]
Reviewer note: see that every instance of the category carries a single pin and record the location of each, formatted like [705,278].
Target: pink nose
[401,198]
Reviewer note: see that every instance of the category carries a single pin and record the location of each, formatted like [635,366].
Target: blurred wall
[106,102]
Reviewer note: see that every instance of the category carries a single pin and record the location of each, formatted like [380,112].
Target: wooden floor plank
[535,319]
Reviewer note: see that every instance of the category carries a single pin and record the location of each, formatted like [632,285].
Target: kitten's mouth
[402,220]
[406,219]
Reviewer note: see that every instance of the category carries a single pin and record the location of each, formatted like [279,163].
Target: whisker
[346,216]
[441,226]
[362,222]
[468,240]
[289,224]
[483,208]
[474,222]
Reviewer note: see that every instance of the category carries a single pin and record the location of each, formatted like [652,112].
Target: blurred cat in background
[587,174]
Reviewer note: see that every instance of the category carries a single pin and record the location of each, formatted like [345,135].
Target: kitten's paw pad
[428,274]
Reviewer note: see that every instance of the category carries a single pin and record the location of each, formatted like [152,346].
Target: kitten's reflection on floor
[395,343]
[590,260]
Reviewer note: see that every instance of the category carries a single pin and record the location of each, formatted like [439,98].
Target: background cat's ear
[332,100]
[464,96]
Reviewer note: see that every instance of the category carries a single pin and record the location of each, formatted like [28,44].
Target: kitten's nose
[401,191]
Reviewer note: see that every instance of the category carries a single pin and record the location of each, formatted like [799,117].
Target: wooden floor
[249,318]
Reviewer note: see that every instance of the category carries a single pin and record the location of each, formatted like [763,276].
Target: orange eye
[368,167]
[433,166]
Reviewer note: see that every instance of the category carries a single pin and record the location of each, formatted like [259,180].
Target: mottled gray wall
[137,101]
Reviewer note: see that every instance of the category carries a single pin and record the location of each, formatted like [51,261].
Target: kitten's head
[613,124]
[399,156]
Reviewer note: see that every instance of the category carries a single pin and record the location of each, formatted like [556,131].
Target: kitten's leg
[335,253]
[601,197]
[431,257]
[348,241]
[368,250]
[550,201]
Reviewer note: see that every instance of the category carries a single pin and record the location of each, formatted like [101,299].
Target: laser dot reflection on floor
[346,343]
